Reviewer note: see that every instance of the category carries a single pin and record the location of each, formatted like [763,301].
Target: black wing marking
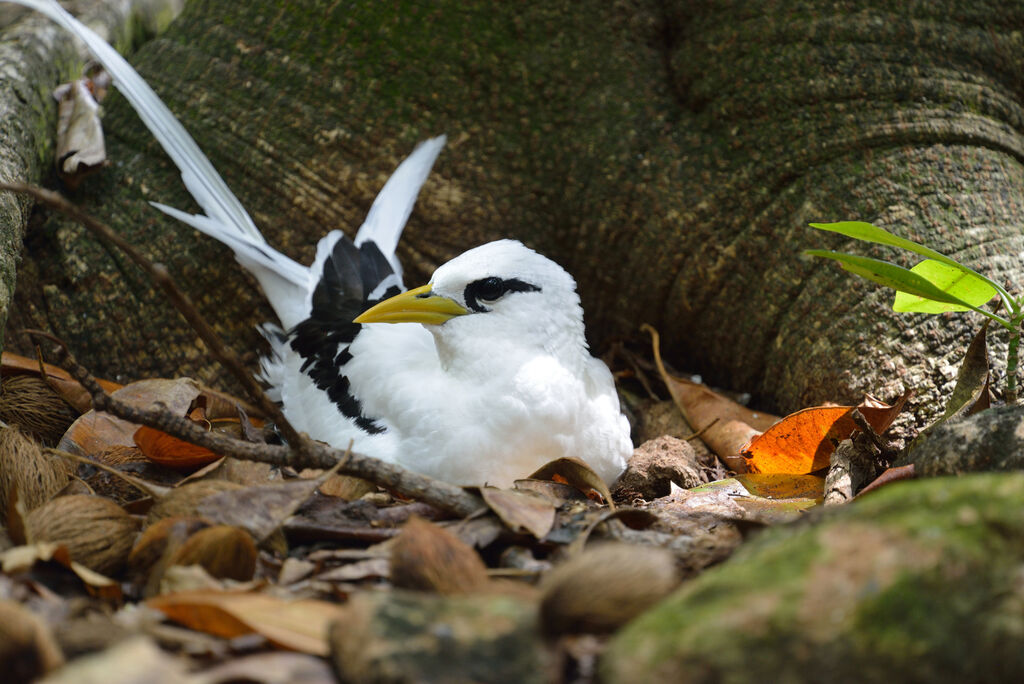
[349,275]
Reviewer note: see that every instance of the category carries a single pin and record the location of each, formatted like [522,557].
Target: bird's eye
[490,289]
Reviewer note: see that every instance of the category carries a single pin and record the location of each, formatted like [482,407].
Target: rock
[654,465]
[921,581]
[990,440]
[403,636]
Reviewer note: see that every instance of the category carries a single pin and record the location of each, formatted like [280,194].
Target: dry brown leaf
[555,492]
[57,378]
[729,499]
[22,559]
[269,668]
[724,425]
[703,406]
[575,473]
[260,509]
[134,661]
[299,625]
[521,511]
[95,432]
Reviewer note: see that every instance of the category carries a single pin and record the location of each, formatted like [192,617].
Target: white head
[501,298]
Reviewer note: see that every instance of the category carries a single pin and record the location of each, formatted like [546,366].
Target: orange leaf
[299,625]
[162,448]
[802,442]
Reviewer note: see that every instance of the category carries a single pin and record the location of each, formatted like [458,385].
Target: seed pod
[605,587]
[27,647]
[24,467]
[428,557]
[224,551]
[27,402]
[164,535]
[96,531]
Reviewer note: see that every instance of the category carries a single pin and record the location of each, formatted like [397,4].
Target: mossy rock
[921,581]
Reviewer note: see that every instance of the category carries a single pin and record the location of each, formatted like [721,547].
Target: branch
[159,274]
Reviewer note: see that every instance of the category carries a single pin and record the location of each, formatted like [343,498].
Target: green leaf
[961,284]
[861,230]
[889,275]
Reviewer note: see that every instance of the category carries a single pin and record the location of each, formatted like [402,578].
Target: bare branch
[159,274]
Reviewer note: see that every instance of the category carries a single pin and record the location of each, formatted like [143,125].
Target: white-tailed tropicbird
[481,376]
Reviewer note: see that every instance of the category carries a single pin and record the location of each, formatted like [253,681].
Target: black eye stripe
[490,289]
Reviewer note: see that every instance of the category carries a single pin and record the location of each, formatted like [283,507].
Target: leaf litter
[236,549]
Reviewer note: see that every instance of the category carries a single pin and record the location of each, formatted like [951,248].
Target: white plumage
[482,376]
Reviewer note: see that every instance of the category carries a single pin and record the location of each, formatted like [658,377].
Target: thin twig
[159,274]
[442,495]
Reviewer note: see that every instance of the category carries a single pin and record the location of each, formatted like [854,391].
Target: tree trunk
[670,155]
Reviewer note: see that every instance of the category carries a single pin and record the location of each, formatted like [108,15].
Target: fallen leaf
[260,509]
[95,432]
[57,378]
[557,493]
[725,426]
[372,568]
[888,476]
[269,668]
[137,660]
[575,473]
[171,452]
[704,405]
[783,485]
[521,511]
[23,558]
[294,625]
[730,500]
[802,442]
[633,518]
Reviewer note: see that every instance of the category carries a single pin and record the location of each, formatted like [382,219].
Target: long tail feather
[287,284]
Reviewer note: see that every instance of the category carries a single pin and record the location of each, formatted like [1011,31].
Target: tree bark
[669,154]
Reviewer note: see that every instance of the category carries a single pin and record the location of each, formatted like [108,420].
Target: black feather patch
[349,275]
[491,289]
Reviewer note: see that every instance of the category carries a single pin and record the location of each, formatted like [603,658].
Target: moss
[912,583]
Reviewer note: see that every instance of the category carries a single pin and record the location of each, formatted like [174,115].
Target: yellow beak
[415,306]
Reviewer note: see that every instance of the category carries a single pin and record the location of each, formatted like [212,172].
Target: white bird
[481,376]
